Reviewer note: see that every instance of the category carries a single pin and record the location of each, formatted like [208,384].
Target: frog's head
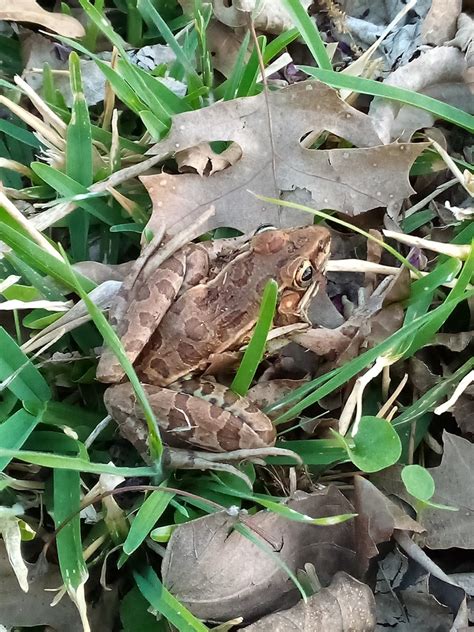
[300,256]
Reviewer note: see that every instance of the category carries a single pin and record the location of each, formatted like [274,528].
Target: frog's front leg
[201,414]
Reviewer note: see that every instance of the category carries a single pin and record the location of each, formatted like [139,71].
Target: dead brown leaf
[18,610]
[268,16]
[30,11]
[446,529]
[464,38]
[224,45]
[203,160]
[349,180]
[463,411]
[439,24]
[201,559]
[346,604]
[377,517]
[439,73]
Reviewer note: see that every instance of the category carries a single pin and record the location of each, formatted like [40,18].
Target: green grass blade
[68,188]
[163,601]
[279,43]
[426,333]
[61,462]
[309,32]
[67,499]
[375,88]
[37,258]
[263,546]
[28,385]
[121,88]
[146,518]
[102,23]
[79,159]
[248,83]
[339,377]
[254,352]
[18,133]
[234,80]
[14,431]
[151,15]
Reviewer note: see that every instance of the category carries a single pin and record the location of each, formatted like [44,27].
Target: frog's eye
[304,275]
[263,228]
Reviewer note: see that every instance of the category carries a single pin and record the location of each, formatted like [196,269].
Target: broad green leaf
[376,445]
[28,383]
[418,482]
[150,511]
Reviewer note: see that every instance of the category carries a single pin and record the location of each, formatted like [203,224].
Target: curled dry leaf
[349,180]
[440,23]
[346,604]
[464,38]
[202,555]
[269,16]
[439,73]
[30,11]
[203,160]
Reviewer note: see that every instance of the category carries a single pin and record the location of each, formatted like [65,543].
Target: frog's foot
[176,458]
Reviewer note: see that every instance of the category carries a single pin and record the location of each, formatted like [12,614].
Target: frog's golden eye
[304,275]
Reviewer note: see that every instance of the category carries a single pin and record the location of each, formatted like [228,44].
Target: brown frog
[204,300]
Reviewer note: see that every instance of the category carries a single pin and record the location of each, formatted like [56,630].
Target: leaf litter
[375,166]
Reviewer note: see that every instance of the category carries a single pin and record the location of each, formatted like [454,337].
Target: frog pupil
[307,274]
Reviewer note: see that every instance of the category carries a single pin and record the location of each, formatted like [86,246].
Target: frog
[202,302]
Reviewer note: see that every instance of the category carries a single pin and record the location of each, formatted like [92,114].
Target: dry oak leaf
[438,73]
[30,11]
[439,24]
[269,16]
[219,574]
[345,605]
[351,180]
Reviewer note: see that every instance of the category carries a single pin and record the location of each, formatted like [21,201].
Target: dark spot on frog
[230,398]
[194,328]
[146,319]
[206,389]
[143,292]
[160,367]
[187,353]
[175,265]
[166,288]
